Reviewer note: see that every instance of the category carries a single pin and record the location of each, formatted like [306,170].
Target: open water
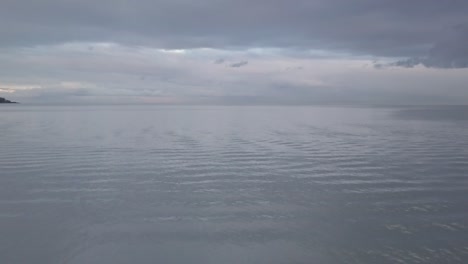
[233,184]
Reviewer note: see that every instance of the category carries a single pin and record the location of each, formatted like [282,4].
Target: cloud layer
[384,27]
[116,73]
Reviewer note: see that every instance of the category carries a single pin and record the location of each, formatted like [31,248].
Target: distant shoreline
[5,101]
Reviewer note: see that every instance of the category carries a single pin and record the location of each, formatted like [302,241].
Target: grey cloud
[219,61]
[393,28]
[451,52]
[238,64]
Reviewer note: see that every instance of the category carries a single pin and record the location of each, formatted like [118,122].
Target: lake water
[209,184]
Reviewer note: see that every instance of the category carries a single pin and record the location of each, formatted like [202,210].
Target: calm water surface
[147,184]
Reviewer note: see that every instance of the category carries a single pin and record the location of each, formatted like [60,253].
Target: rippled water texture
[146,184]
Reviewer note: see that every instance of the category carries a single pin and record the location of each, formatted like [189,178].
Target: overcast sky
[234,52]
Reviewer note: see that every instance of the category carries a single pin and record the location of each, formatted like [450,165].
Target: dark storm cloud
[389,28]
[239,64]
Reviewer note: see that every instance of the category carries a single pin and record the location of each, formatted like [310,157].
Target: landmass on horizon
[5,101]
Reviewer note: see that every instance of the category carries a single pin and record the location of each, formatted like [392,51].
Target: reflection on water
[440,113]
[121,184]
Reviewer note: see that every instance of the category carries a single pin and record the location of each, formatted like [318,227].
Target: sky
[234,52]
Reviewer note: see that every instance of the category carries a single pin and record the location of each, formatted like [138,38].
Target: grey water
[233,184]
